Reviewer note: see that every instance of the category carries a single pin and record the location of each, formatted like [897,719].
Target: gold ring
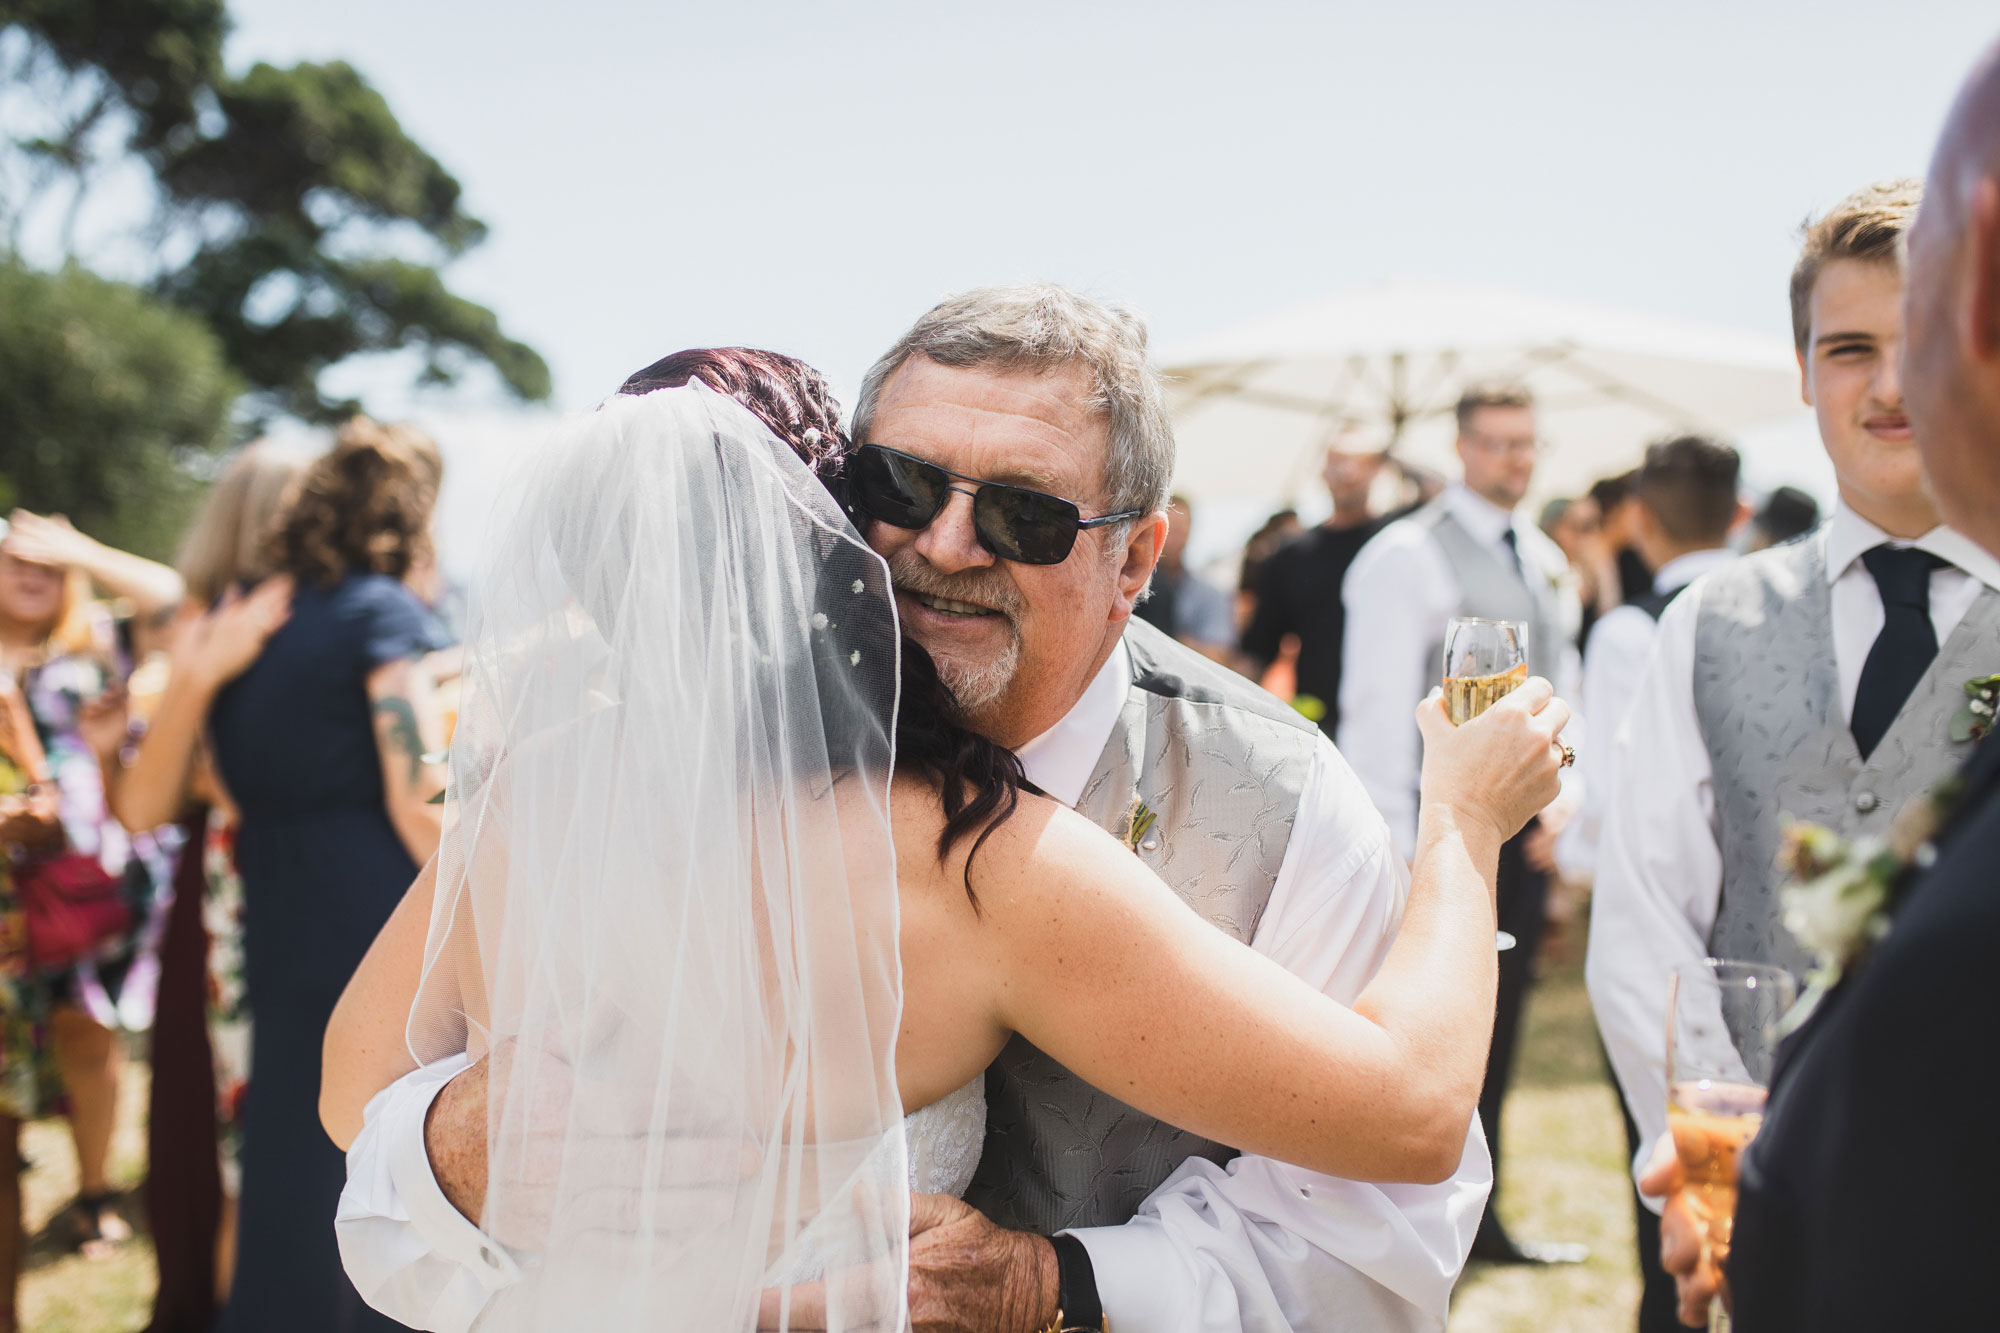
[1568,753]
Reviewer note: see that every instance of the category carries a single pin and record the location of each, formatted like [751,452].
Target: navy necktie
[1903,650]
[1513,545]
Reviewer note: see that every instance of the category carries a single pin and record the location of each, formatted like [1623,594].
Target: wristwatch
[1078,1309]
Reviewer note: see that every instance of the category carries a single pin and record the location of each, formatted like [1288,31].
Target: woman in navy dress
[325,744]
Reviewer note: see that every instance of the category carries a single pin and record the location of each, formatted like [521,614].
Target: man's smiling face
[1015,643]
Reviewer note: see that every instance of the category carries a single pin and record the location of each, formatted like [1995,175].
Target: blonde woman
[57,645]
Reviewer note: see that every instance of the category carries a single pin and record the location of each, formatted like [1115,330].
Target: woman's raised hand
[1501,766]
[227,640]
[47,541]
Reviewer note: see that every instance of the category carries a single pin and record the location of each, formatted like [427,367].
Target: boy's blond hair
[1868,224]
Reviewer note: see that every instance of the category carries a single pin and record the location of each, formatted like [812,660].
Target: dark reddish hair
[979,782]
[786,394]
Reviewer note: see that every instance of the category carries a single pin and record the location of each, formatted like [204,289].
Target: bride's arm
[365,1049]
[1095,961]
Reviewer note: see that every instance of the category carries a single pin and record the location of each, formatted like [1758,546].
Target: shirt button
[1864,801]
[486,1257]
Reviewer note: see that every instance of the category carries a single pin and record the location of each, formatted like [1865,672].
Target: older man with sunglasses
[1013,469]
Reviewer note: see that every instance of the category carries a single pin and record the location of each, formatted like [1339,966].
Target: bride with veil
[725,891]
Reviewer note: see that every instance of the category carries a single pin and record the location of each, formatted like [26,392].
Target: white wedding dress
[944,1142]
[946,1139]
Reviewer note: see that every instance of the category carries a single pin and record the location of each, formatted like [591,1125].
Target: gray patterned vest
[1490,586]
[1222,765]
[1767,695]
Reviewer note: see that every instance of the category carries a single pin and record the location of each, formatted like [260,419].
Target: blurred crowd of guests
[216,781]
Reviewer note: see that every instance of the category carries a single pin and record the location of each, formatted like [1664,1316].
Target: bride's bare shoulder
[1042,847]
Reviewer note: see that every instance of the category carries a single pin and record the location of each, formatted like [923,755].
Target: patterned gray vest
[1767,695]
[1491,586]
[1222,765]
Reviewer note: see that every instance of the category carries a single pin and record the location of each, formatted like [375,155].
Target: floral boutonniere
[1139,822]
[1842,892]
[1982,697]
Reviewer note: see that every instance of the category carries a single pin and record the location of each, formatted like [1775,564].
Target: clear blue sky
[810,177]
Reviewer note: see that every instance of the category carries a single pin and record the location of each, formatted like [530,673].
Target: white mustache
[924,580]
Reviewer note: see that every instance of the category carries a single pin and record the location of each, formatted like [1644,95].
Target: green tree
[110,401]
[313,227]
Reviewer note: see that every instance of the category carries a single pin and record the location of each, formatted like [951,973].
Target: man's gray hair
[1040,326]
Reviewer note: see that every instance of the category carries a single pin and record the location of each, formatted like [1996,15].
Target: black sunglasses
[1013,522]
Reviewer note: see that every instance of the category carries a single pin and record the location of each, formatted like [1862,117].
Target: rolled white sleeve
[1659,868]
[1398,592]
[408,1251]
[1262,1246]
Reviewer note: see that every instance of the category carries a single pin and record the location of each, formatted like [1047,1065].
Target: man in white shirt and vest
[1834,1234]
[1816,680]
[1464,554]
[1260,826]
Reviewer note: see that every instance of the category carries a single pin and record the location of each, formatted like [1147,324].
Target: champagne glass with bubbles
[1483,660]
[1722,1037]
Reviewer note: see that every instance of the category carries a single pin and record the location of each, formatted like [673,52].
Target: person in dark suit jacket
[1867,1199]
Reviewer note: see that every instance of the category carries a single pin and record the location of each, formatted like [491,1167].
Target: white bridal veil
[666,907]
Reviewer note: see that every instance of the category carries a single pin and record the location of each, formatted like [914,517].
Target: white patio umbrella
[1253,403]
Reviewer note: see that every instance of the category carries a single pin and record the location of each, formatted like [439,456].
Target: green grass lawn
[1565,1180]
[63,1292]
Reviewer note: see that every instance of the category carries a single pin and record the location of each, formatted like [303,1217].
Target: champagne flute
[1722,1036]
[1483,660]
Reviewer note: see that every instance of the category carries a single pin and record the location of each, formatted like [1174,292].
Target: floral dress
[116,986]
[228,1001]
[30,1086]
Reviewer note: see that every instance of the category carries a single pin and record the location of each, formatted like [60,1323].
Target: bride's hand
[1502,766]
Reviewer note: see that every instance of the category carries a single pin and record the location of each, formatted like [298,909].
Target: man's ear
[1805,380]
[1142,551]
[1982,279]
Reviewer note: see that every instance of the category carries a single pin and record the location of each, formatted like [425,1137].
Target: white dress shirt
[1254,1245]
[1612,661]
[1659,872]
[1399,592]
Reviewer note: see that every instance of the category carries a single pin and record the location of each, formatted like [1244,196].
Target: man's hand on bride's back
[1502,766]
[968,1275]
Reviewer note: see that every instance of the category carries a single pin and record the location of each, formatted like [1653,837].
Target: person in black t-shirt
[1298,590]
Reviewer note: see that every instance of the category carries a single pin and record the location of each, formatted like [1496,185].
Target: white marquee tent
[1253,403]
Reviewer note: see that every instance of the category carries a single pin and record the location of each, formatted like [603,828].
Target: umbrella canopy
[1253,403]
